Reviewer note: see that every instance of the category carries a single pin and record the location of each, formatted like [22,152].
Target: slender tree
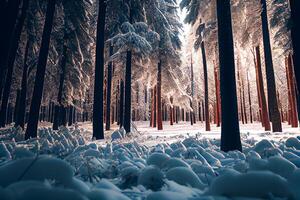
[295,32]
[33,117]
[14,44]
[207,118]
[58,110]
[158,98]
[262,98]
[22,104]
[108,89]
[8,17]
[272,97]
[98,129]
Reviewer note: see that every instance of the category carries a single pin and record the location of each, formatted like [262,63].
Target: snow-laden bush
[256,184]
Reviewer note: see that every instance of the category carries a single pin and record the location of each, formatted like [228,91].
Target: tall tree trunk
[192,91]
[207,118]
[272,97]
[218,106]
[292,91]
[70,119]
[8,17]
[22,105]
[121,115]
[17,105]
[244,101]
[13,47]
[295,32]
[158,98]
[32,125]
[230,133]
[118,103]
[98,129]
[153,108]
[249,99]
[127,111]
[240,94]
[171,112]
[260,82]
[59,107]
[108,89]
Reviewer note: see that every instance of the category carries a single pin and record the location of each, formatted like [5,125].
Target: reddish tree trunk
[292,92]
[218,102]
[250,101]
[264,108]
[158,98]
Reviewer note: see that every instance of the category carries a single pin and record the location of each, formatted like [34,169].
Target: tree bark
[295,32]
[154,107]
[250,100]
[98,129]
[32,125]
[8,17]
[272,97]
[22,105]
[264,107]
[230,133]
[13,47]
[207,118]
[108,89]
[171,112]
[292,92]
[127,111]
[158,98]
[121,107]
[218,106]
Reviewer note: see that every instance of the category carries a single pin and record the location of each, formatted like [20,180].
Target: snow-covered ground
[181,162]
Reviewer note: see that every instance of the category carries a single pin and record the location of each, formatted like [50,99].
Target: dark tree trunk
[192,92]
[13,47]
[8,16]
[121,107]
[22,106]
[207,118]
[59,106]
[151,107]
[158,98]
[98,129]
[108,89]
[40,73]
[63,115]
[127,109]
[230,133]
[260,83]
[17,105]
[118,103]
[171,112]
[272,97]
[52,112]
[70,120]
[295,32]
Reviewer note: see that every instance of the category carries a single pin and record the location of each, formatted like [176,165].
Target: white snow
[149,164]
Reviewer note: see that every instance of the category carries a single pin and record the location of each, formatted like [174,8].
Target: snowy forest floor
[151,136]
[182,162]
